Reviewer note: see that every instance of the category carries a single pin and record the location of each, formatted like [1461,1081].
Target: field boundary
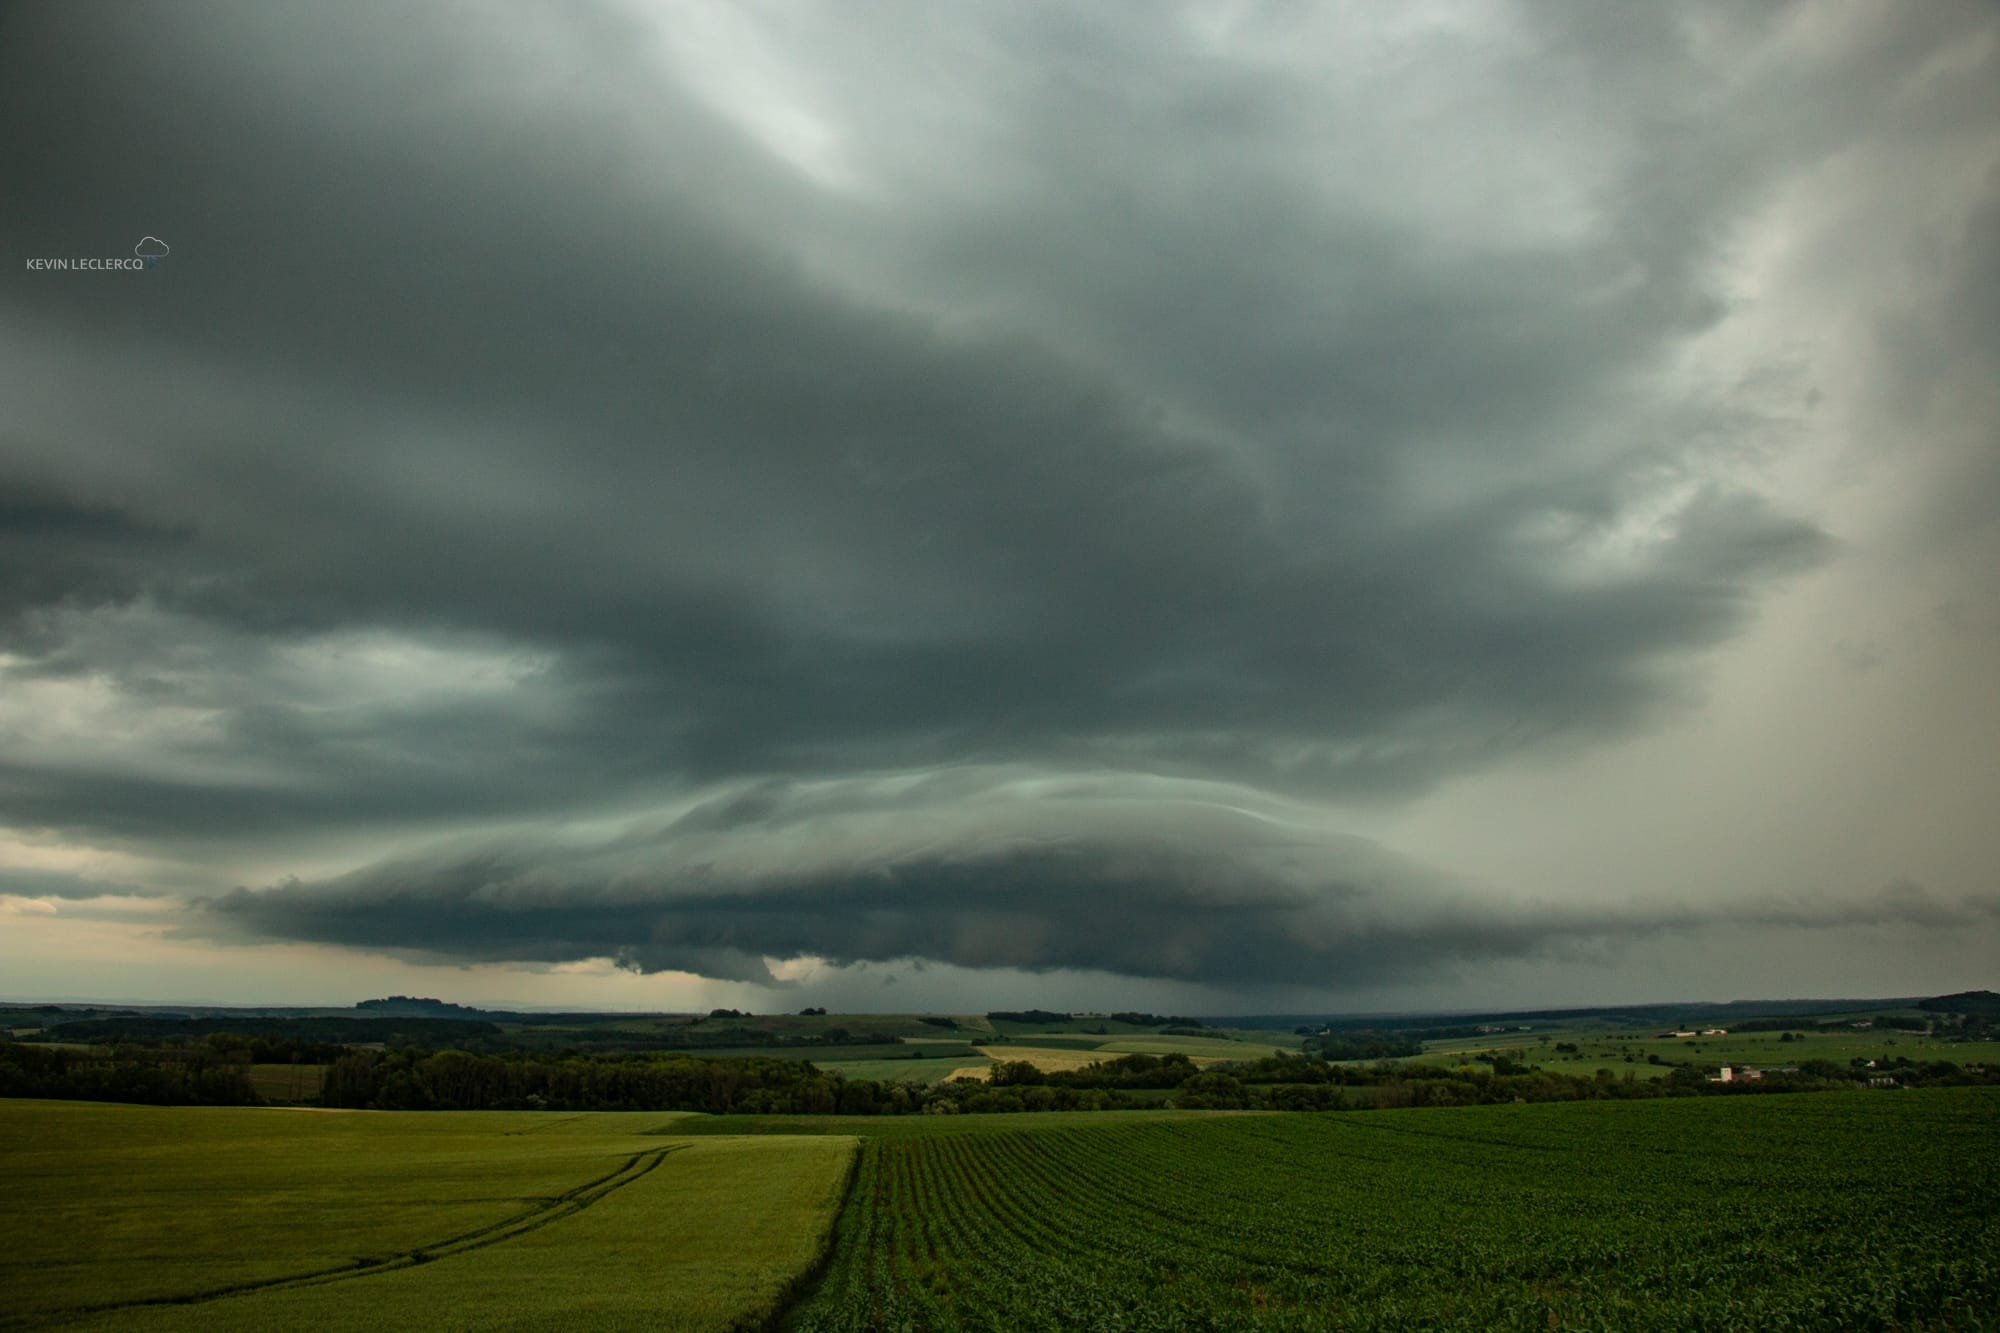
[543,1213]
[805,1284]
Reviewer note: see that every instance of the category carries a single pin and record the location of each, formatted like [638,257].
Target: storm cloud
[832,423]
[1161,880]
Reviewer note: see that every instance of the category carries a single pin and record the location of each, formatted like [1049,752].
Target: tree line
[416,1079]
[152,1076]
[1132,1017]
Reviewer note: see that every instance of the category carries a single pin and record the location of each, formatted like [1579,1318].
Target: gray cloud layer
[1162,880]
[521,427]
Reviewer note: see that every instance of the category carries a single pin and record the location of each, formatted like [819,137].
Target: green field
[1837,1210]
[927,1070]
[1861,1210]
[146,1218]
[1049,1041]
[1203,1048]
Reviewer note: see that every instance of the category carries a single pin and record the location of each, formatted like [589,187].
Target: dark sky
[944,505]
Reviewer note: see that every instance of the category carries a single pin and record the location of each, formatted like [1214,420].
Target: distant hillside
[1692,1013]
[1985,1003]
[415,1006]
[393,1029]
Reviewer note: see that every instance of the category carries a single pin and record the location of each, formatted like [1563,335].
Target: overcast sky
[1217,507]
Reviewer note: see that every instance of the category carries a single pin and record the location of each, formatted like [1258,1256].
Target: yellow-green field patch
[929,1070]
[1204,1051]
[1049,1060]
[139,1217]
[1201,1048]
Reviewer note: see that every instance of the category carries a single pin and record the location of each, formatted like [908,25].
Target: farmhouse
[1750,1074]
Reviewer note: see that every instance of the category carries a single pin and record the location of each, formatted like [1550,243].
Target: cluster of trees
[1363,1045]
[971,1098]
[1302,1083]
[410,1080]
[1800,1026]
[1037,1016]
[1158,1020]
[1966,1027]
[463,1081]
[156,1076]
[1126,1071]
[1970,1003]
[460,1081]
[245,1048]
[1401,1085]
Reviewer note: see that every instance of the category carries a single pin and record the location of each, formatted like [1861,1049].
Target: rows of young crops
[1862,1211]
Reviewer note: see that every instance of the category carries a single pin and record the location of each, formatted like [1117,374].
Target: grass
[136,1217]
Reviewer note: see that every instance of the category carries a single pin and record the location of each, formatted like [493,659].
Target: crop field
[929,1069]
[121,1217]
[1055,1054]
[1853,1210]
[1202,1048]
[1049,1041]
[1048,1059]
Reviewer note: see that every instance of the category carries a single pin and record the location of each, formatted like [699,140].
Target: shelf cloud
[1157,880]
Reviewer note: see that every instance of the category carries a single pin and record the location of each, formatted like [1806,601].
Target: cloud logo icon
[151,249]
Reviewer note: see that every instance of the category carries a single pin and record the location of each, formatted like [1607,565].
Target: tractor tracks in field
[544,1212]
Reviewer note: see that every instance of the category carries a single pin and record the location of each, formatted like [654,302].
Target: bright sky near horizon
[1201,507]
